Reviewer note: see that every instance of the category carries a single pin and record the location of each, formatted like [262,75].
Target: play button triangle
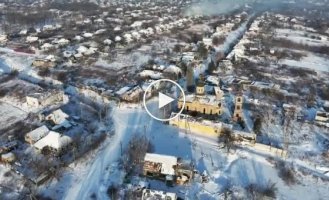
[164,100]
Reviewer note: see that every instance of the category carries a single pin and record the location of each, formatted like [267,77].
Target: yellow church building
[203,103]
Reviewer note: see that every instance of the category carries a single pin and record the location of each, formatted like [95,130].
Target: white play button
[164,100]
[169,92]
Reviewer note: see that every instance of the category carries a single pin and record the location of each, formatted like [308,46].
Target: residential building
[160,166]
[54,141]
[132,95]
[57,117]
[8,157]
[35,135]
[322,116]
[43,63]
[148,194]
[37,100]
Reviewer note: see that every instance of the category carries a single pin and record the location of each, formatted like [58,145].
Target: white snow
[38,133]
[302,37]
[9,115]
[167,162]
[54,140]
[241,168]
[311,61]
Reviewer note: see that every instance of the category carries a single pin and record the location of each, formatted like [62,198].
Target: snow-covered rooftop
[54,140]
[167,162]
[37,134]
[159,195]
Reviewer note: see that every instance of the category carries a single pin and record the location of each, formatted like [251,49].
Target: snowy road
[94,180]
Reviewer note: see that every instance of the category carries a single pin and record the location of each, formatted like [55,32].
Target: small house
[54,142]
[322,116]
[3,39]
[57,117]
[37,100]
[148,194]
[43,63]
[9,146]
[8,157]
[35,135]
[160,166]
[132,95]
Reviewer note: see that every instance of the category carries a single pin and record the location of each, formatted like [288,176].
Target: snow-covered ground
[302,37]
[94,175]
[10,61]
[124,60]
[10,115]
[311,61]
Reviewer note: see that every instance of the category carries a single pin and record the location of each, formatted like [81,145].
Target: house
[3,39]
[31,39]
[46,46]
[107,42]
[87,35]
[46,63]
[128,37]
[242,136]
[160,166]
[9,146]
[57,117]
[35,135]
[133,94]
[41,178]
[62,42]
[151,74]
[152,89]
[173,70]
[100,31]
[117,38]
[212,80]
[207,42]
[54,141]
[8,157]
[322,116]
[148,194]
[225,65]
[122,90]
[37,100]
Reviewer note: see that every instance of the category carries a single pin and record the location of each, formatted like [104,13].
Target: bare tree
[258,192]
[226,137]
[135,152]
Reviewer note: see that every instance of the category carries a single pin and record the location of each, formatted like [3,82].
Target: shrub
[3,92]
[62,76]
[257,125]
[262,191]
[113,192]
[286,173]
[44,72]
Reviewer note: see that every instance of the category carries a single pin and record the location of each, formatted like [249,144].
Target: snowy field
[124,60]
[21,63]
[239,169]
[302,37]
[10,115]
[311,61]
